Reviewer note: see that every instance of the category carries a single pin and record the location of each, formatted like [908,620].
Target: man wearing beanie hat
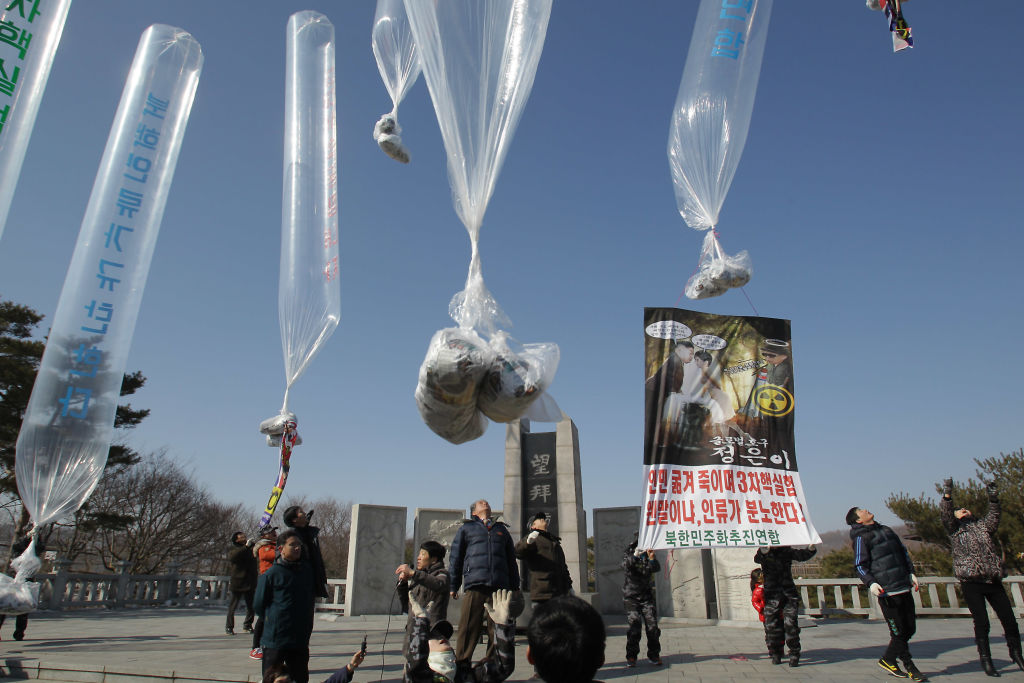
[296,518]
[884,565]
[542,553]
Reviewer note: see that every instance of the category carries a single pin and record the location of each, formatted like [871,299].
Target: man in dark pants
[482,560]
[781,599]
[979,567]
[638,598]
[242,582]
[542,553]
[885,567]
[284,599]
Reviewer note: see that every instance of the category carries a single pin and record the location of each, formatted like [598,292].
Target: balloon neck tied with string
[480,67]
[282,432]
[399,66]
[902,37]
[709,129]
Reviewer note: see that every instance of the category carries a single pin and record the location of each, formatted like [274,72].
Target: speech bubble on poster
[668,329]
[709,341]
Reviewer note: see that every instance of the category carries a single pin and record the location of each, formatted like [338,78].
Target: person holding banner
[884,565]
[638,597]
[781,599]
[979,568]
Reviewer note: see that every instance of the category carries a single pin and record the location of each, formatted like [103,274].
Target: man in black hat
[542,553]
[243,580]
[296,518]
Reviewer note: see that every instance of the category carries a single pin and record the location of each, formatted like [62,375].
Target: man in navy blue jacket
[885,567]
[482,561]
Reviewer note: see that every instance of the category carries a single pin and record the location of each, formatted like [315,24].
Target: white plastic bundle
[449,384]
[717,271]
[399,66]
[19,595]
[273,427]
[515,380]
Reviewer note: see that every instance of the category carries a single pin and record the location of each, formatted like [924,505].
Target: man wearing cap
[265,552]
[296,518]
[542,553]
[483,560]
[242,583]
[429,581]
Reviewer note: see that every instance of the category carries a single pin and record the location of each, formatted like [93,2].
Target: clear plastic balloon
[309,292]
[713,107]
[399,65]
[28,68]
[67,428]
[479,60]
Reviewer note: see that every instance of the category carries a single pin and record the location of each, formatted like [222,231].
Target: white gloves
[810,546]
[498,609]
[913,580]
[639,553]
[532,538]
[417,609]
[876,589]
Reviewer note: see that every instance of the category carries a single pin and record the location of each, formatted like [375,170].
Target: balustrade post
[122,583]
[170,593]
[60,582]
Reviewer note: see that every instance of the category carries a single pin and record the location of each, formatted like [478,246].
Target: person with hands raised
[781,599]
[884,565]
[541,552]
[425,643]
[978,566]
[640,566]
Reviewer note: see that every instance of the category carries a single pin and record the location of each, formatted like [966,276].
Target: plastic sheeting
[399,65]
[66,433]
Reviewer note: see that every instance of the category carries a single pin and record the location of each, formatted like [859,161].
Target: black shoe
[656,661]
[893,669]
[229,632]
[631,662]
[1015,655]
[913,673]
[987,667]
[776,658]
[794,659]
[19,636]
[247,629]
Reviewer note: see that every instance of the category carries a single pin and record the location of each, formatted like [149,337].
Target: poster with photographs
[720,459]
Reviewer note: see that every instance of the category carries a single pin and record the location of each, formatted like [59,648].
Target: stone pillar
[122,583]
[732,584]
[376,546]
[435,524]
[688,574]
[60,582]
[542,474]
[169,583]
[613,531]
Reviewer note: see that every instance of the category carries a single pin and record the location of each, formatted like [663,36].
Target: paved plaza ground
[158,645]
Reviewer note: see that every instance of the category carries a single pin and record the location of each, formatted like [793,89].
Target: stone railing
[939,595]
[74,590]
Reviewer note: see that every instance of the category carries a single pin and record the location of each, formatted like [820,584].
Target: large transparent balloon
[35,32]
[712,117]
[67,429]
[479,60]
[309,290]
[399,64]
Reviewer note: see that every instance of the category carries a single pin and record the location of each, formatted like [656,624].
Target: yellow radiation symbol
[774,400]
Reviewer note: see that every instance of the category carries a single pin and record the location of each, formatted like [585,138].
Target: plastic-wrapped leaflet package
[479,60]
[399,66]
[19,595]
[717,271]
[456,363]
[34,36]
[710,122]
[515,380]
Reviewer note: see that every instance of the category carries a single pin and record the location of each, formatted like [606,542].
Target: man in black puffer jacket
[884,565]
[978,566]
[483,559]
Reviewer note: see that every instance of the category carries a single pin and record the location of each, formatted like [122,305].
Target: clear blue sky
[879,197]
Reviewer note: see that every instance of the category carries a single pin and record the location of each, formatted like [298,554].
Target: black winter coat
[483,557]
[777,565]
[975,556]
[639,571]
[244,568]
[310,536]
[284,598]
[549,575]
[880,557]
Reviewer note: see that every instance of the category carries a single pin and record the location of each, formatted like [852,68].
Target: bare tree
[334,518]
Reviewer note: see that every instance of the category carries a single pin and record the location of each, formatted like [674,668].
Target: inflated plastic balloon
[37,31]
[712,111]
[67,429]
[399,65]
[479,60]
[309,290]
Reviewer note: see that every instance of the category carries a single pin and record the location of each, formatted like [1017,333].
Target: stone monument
[376,546]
